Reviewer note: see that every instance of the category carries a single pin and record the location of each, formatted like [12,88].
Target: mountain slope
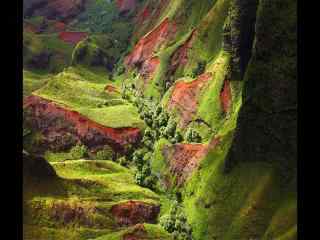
[197,99]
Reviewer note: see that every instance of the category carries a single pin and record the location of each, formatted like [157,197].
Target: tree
[105,154]
[193,136]
[170,129]
[78,151]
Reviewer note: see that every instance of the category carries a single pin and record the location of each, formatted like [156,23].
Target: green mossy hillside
[45,52]
[83,90]
[92,185]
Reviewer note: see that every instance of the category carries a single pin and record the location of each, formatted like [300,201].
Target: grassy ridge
[83,90]
[86,184]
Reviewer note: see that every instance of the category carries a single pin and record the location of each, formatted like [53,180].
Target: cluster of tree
[176,223]
[143,176]
[159,125]
[192,136]
[78,151]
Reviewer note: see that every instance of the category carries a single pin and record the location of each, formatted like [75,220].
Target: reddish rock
[133,212]
[72,37]
[148,68]
[226,96]
[185,158]
[55,122]
[126,5]
[180,57]
[184,98]
[147,45]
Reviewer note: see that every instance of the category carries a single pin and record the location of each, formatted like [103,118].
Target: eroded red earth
[225,96]
[180,57]
[72,37]
[184,98]
[148,68]
[54,120]
[148,44]
[184,158]
[134,212]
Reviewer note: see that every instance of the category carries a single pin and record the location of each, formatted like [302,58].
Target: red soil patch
[69,213]
[89,131]
[111,89]
[133,212]
[185,158]
[72,37]
[126,5]
[59,26]
[184,97]
[138,233]
[225,96]
[180,57]
[149,67]
[147,45]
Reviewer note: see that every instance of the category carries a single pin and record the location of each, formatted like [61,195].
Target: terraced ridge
[80,202]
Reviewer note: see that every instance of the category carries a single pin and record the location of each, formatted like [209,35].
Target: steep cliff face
[247,54]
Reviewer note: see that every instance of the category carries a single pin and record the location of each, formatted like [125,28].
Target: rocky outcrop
[148,68]
[149,44]
[184,98]
[61,127]
[241,33]
[226,96]
[267,122]
[134,212]
[185,158]
[180,57]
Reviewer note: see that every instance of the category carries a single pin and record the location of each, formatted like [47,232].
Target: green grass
[33,80]
[210,106]
[38,44]
[83,90]
[85,184]
[153,232]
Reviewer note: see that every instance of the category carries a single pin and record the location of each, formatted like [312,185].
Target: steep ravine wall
[244,186]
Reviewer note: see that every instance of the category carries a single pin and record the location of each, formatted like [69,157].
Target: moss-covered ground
[83,90]
[91,185]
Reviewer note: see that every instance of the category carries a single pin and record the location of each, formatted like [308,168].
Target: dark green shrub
[176,223]
[170,129]
[193,136]
[105,154]
[78,152]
